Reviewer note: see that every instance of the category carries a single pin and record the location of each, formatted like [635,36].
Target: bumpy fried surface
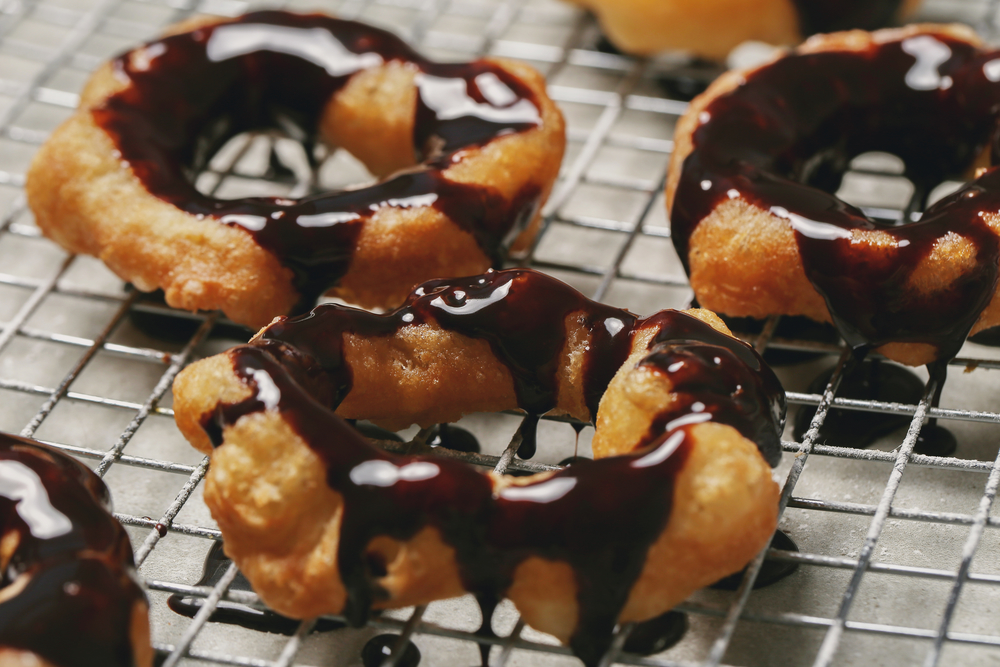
[267,488]
[707,28]
[744,260]
[89,201]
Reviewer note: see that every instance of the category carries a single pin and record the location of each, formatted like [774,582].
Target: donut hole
[875,182]
[272,163]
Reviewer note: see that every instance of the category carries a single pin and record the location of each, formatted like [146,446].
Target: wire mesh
[897,556]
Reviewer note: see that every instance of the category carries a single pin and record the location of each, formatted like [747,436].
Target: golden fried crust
[281,523]
[744,261]
[706,28]
[89,201]
[12,657]
[267,489]
[421,375]
[76,177]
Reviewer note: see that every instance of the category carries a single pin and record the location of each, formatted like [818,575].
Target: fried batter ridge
[468,154]
[322,522]
[759,153]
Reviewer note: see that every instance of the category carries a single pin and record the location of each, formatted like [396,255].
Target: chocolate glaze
[771,571]
[378,648]
[76,606]
[529,434]
[455,438]
[783,140]
[190,93]
[488,602]
[657,634]
[522,314]
[874,380]
[558,518]
[833,15]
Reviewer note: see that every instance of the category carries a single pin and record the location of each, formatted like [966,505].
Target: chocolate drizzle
[598,516]
[783,140]
[190,93]
[73,559]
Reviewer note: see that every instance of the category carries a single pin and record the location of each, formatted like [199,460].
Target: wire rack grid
[897,556]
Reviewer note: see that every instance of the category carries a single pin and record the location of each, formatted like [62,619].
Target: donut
[711,28]
[758,155]
[468,153]
[688,421]
[69,595]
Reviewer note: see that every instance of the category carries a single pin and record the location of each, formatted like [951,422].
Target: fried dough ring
[711,28]
[65,561]
[485,164]
[284,522]
[745,247]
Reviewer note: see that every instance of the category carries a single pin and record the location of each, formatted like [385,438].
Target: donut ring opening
[480,145]
[759,152]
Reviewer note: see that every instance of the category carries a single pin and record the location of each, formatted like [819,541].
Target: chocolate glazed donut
[69,596]
[322,522]
[759,154]
[711,28]
[474,148]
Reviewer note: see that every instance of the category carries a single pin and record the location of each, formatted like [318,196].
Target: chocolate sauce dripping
[556,518]
[801,120]
[190,93]
[454,438]
[524,326]
[873,380]
[487,606]
[529,437]
[771,571]
[81,590]
[522,314]
[657,634]
[234,613]
[379,647]
[570,460]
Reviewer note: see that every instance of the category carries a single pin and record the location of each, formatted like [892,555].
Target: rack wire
[898,549]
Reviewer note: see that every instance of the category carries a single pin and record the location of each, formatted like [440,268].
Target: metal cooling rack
[898,550]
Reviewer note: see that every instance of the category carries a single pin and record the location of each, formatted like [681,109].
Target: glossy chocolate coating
[784,138]
[557,518]
[74,557]
[522,314]
[380,647]
[190,93]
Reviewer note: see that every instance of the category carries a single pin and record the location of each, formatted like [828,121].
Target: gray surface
[75,372]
